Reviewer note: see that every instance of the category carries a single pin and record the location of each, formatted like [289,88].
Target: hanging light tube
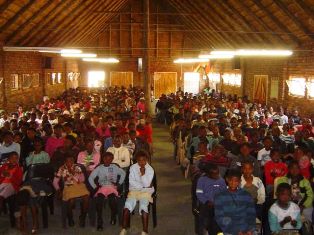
[79,55]
[190,60]
[102,60]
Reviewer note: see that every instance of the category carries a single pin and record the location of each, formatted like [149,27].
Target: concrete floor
[173,206]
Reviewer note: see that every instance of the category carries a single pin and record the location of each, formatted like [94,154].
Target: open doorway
[96,79]
[192,82]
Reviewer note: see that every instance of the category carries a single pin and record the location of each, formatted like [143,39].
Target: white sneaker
[123,232]
[144,233]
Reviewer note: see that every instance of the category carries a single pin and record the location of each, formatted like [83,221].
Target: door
[260,88]
[121,79]
[164,83]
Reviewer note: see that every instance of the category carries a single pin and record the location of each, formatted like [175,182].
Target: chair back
[41,170]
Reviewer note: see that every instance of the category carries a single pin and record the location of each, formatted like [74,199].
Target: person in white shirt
[263,155]
[121,154]
[140,190]
[8,145]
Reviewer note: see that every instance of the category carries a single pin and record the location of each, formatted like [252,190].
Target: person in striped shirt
[234,208]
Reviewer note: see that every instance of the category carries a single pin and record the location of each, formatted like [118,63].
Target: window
[26,81]
[297,86]
[70,76]
[53,78]
[310,88]
[14,81]
[214,77]
[59,77]
[232,79]
[192,82]
[96,78]
[35,80]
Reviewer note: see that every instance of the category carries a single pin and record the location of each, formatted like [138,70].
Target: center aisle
[173,202]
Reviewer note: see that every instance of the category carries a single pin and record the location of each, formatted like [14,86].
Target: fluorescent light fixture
[222,56]
[226,53]
[34,49]
[49,51]
[244,52]
[77,55]
[252,52]
[70,51]
[102,60]
[190,60]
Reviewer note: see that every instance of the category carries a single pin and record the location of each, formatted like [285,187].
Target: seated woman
[74,187]
[38,155]
[90,158]
[140,190]
[11,175]
[254,186]
[107,175]
[302,193]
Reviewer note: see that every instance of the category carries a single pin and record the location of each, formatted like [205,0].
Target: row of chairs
[46,172]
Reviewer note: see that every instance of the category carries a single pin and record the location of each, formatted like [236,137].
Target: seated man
[140,189]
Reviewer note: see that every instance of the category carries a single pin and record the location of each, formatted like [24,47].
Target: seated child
[254,186]
[140,190]
[121,154]
[234,208]
[38,155]
[74,187]
[207,187]
[273,169]
[302,193]
[11,175]
[90,158]
[284,214]
[107,175]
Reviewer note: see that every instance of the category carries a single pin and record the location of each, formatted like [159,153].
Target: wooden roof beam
[277,21]
[24,39]
[241,20]
[219,38]
[22,26]
[58,24]
[294,19]
[258,20]
[5,6]
[228,22]
[74,24]
[303,6]
[98,22]
[214,39]
[16,15]
[67,21]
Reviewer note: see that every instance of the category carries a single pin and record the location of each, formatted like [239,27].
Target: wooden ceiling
[210,23]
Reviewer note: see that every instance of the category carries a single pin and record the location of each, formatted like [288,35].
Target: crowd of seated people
[251,165]
[98,147]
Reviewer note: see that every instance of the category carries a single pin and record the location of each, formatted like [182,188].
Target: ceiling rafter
[17,15]
[75,24]
[302,5]
[240,17]
[5,6]
[218,37]
[27,22]
[258,20]
[102,22]
[206,20]
[42,23]
[279,24]
[93,22]
[212,40]
[230,24]
[293,18]
[58,22]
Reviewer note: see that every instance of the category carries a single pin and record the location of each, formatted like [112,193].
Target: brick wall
[31,63]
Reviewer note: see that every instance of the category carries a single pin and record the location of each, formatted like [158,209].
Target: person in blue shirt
[234,208]
[207,187]
[109,141]
[109,177]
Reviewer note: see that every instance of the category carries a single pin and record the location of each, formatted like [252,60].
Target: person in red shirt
[11,175]
[273,169]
